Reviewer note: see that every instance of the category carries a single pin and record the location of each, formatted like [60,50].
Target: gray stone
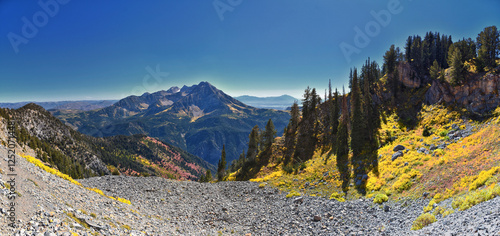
[396,155]
[399,147]
[423,150]
[298,200]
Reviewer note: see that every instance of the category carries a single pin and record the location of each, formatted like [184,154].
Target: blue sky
[111,49]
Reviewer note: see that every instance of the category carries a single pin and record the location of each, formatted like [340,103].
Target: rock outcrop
[480,95]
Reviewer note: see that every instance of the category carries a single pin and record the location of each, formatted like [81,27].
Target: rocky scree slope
[50,205]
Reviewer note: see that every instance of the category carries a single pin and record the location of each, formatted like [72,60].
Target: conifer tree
[327,121]
[208,176]
[343,145]
[268,135]
[357,127]
[372,124]
[488,43]
[308,127]
[408,49]
[221,166]
[335,113]
[291,133]
[435,70]
[253,143]
[457,67]
[390,59]
[335,116]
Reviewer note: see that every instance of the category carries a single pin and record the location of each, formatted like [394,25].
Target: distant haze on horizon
[108,50]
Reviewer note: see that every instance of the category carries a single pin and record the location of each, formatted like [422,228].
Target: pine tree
[327,121]
[202,179]
[221,166]
[253,143]
[457,67]
[291,133]
[343,145]
[390,59]
[268,135]
[208,176]
[435,70]
[335,113]
[308,127]
[356,117]
[358,130]
[488,43]
[372,124]
[408,49]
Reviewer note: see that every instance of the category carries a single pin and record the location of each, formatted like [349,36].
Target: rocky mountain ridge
[84,105]
[79,155]
[199,119]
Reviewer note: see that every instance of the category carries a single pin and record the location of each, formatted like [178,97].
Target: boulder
[397,155]
[399,147]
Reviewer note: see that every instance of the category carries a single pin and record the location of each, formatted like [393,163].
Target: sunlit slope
[444,155]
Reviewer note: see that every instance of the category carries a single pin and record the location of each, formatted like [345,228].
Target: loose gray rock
[396,155]
[399,147]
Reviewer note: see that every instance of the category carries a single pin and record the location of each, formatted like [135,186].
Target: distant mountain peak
[199,118]
[174,89]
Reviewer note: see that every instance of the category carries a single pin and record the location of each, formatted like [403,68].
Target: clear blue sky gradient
[100,49]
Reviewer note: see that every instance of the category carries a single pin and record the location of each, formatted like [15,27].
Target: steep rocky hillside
[79,155]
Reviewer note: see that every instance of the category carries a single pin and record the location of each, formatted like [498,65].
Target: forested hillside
[425,122]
